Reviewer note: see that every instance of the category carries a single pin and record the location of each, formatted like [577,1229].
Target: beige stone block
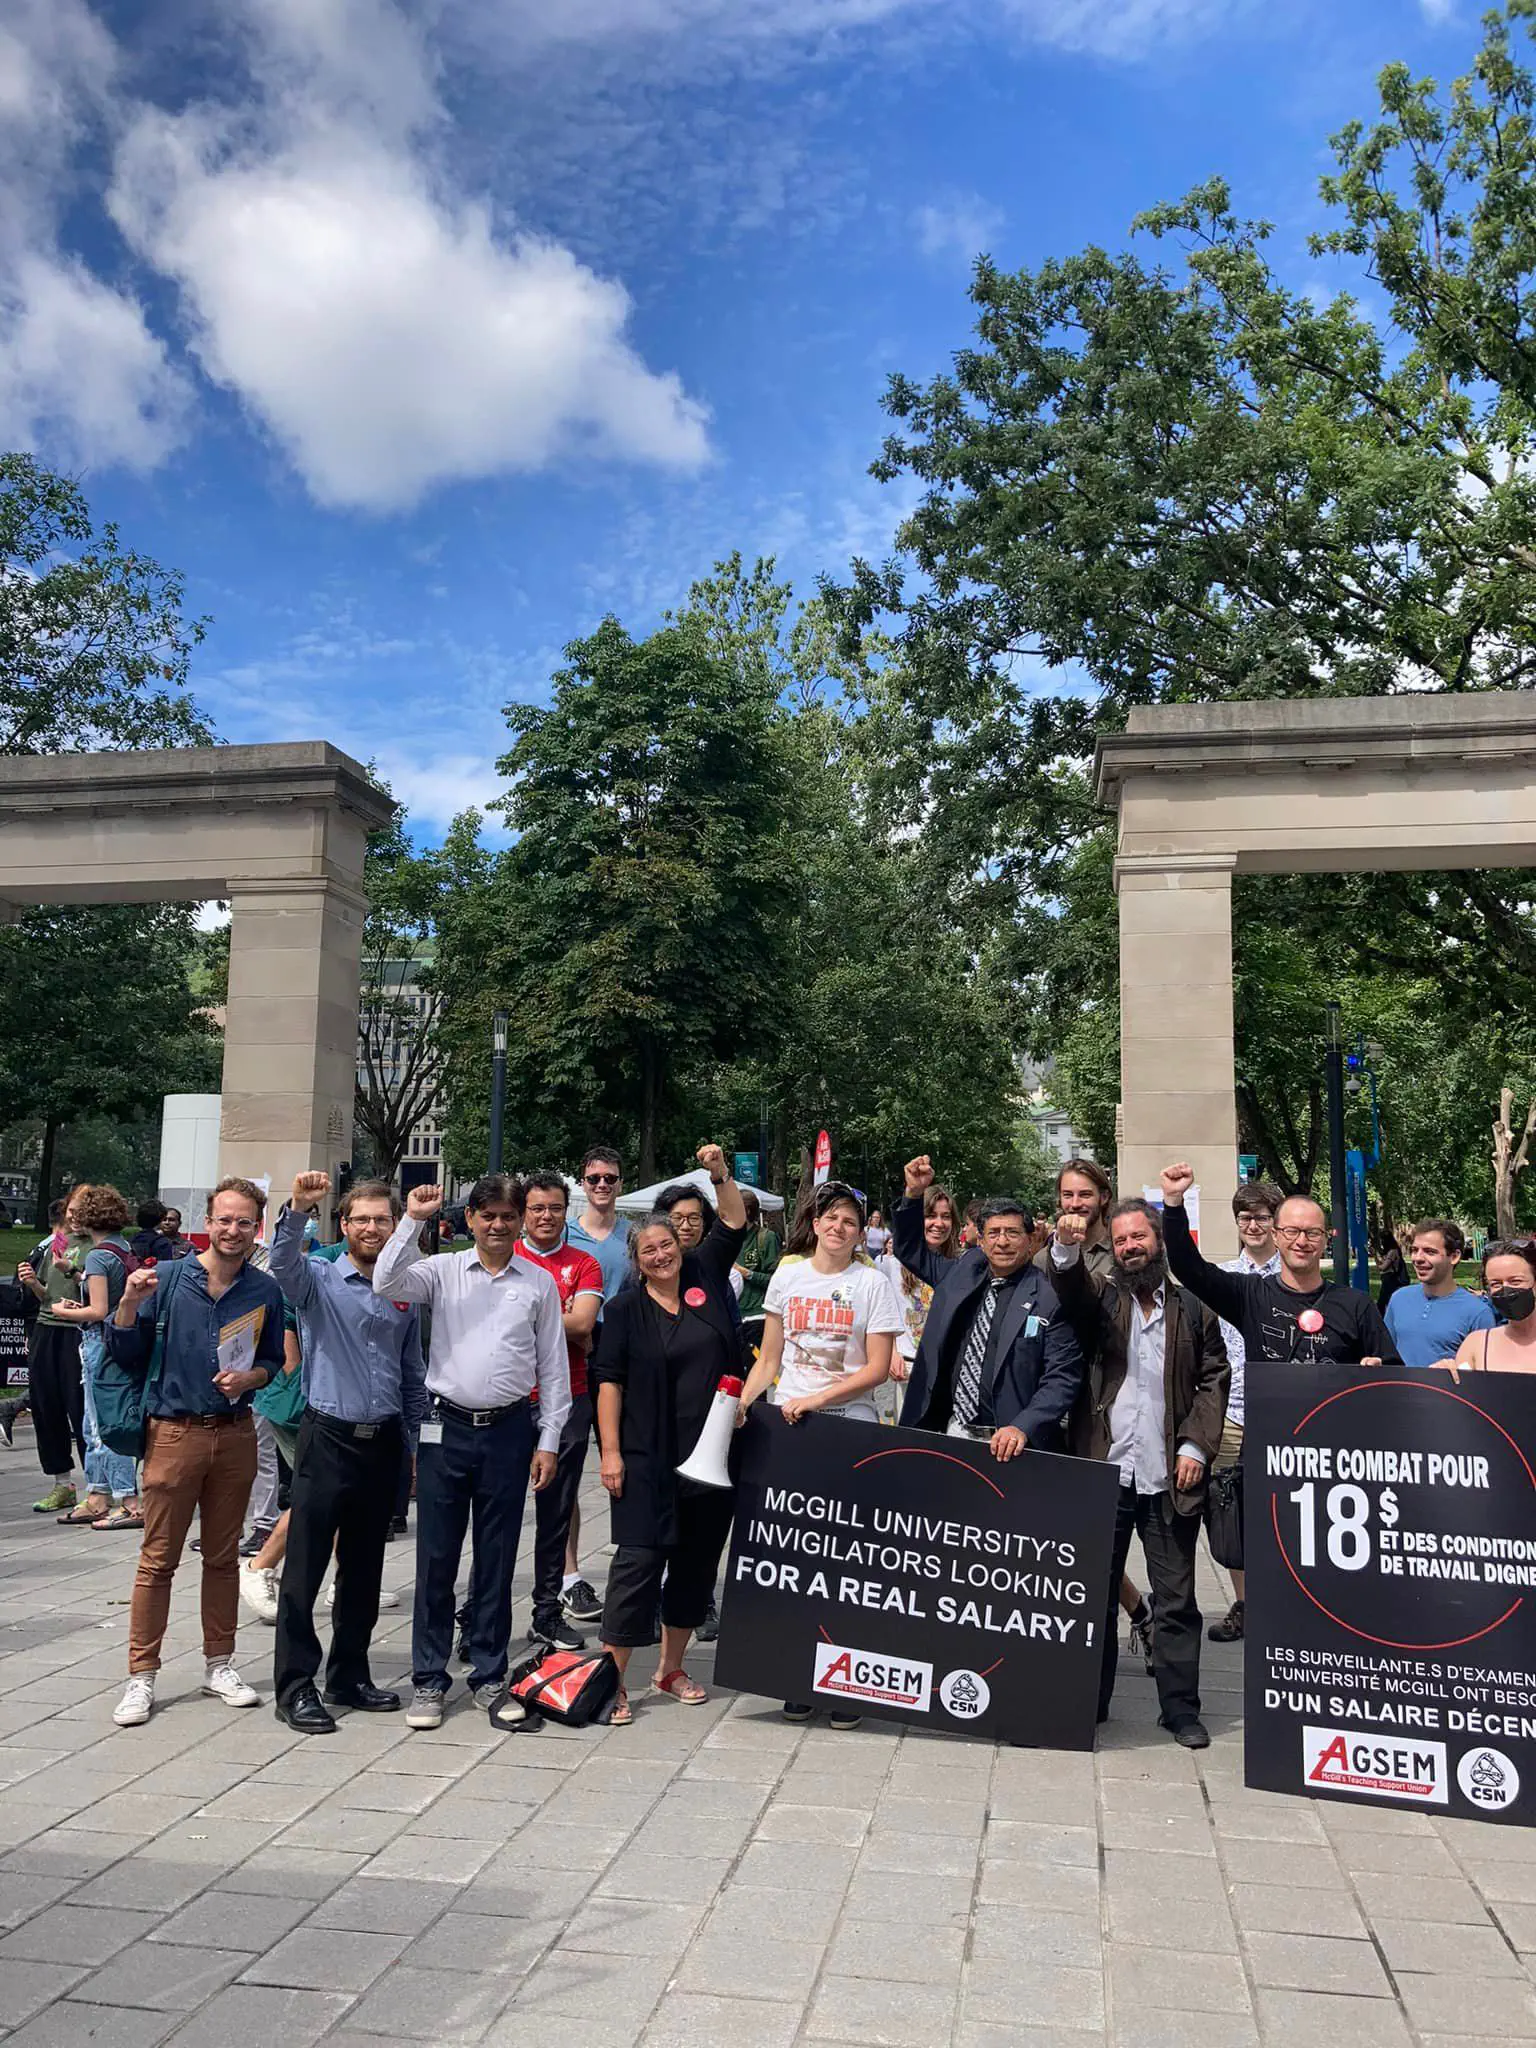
[1170,1010]
[1177,1066]
[1184,1120]
[1155,912]
[1192,960]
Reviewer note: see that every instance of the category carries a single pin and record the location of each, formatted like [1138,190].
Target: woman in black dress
[663,1346]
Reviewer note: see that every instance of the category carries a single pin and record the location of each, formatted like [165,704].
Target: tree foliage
[94,645]
[1161,475]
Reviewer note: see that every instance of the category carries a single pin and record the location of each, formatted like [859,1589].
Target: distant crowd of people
[382,1364]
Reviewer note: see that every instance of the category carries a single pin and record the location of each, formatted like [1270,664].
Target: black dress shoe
[364,1699]
[304,1714]
[1190,1734]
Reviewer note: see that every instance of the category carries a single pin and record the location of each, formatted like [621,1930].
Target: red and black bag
[574,1687]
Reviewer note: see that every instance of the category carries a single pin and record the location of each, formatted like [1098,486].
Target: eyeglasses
[1296,1234]
[602,1180]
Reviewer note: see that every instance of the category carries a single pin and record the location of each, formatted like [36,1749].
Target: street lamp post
[1337,1170]
[498,1085]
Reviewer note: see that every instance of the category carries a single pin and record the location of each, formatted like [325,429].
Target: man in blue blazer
[998,1361]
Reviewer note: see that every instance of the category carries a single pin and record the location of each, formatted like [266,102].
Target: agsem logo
[877,1681]
[1489,1779]
[1373,1767]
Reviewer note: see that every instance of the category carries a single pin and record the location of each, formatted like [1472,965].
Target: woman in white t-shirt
[829,1327]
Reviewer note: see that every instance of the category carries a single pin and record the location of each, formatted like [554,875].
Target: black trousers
[343,1495]
[690,1564]
[552,1512]
[1168,1539]
[58,1395]
[480,1477]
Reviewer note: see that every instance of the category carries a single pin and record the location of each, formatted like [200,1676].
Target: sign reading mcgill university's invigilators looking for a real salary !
[1391,1552]
[892,1572]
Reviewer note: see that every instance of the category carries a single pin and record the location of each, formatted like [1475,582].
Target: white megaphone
[706,1461]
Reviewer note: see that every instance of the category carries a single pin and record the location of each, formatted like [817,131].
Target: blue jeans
[107,1472]
[480,1475]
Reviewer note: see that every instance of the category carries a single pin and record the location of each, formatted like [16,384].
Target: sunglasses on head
[832,1191]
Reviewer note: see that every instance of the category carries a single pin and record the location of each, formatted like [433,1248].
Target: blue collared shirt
[362,1352]
[194,1326]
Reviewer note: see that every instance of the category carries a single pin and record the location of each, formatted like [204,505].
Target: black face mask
[1513,1303]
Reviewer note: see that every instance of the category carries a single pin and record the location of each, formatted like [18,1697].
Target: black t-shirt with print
[1264,1311]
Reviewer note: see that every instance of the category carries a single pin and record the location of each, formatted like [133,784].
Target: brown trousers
[200,1464]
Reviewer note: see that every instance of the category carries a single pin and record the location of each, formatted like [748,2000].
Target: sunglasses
[832,1191]
[602,1180]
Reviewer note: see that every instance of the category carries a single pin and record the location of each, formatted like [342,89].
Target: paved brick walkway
[707,1875]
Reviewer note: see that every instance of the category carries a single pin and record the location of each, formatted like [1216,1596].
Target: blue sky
[421,335]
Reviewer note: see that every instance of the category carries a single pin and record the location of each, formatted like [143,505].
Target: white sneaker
[386,1598]
[258,1589]
[223,1682]
[132,1710]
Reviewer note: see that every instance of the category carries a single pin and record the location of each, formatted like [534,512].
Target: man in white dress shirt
[497,1334]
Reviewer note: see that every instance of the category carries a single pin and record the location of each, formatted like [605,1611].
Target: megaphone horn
[706,1461]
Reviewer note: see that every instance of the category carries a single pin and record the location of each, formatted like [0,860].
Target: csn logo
[1489,1779]
[965,1694]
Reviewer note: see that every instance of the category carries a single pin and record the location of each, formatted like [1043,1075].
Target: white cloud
[960,227]
[1120,29]
[81,374]
[1438,11]
[385,328]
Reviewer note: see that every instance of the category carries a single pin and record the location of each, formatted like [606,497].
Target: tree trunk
[1509,1160]
[650,1095]
[45,1172]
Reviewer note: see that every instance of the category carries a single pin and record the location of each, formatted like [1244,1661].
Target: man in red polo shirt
[580,1281]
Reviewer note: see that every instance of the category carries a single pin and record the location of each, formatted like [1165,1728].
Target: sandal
[121,1518]
[623,1713]
[91,1509]
[677,1685]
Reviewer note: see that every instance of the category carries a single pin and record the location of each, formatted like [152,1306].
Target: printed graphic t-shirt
[573,1272]
[827,1317]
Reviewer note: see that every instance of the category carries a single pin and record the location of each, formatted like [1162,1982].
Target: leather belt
[477,1418]
[362,1432]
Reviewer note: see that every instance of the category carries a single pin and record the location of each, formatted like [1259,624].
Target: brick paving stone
[1498,2006]
[695,2019]
[1331,2020]
[77,1934]
[163,1977]
[1315,1962]
[1450,1950]
[326,1959]
[251,2013]
[858,2009]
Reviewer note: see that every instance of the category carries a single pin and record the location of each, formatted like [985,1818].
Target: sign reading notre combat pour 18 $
[895,1573]
[1391,1555]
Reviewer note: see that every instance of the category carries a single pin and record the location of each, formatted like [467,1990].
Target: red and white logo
[876,1681]
[1373,1766]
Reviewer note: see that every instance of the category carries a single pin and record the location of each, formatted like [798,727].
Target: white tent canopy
[640,1201]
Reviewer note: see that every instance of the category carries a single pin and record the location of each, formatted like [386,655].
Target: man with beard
[1153,1404]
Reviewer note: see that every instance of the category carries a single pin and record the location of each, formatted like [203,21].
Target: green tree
[1161,475]
[94,644]
[97,1020]
[630,930]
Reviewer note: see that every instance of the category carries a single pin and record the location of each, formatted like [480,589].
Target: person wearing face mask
[998,1361]
[1509,1275]
[664,1344]
[1429,1320]
[829,1328]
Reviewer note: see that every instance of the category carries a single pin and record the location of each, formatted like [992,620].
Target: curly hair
[100,1208]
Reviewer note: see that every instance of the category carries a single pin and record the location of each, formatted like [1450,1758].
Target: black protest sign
[1391,1558]
[13,1334]
[888,1571]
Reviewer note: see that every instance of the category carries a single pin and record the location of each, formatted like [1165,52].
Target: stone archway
[1208,791]
[280,833]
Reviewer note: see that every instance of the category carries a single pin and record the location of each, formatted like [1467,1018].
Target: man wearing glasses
[1292,1316]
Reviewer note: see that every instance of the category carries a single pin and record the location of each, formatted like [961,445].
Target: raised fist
[1071,1229]
[421,1203]
[139,1284]
[919,1173]
[712,1159]
[1177,1181]
[309,1190]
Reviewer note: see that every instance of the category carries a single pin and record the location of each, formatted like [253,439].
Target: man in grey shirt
[497,1334]
[364,1388]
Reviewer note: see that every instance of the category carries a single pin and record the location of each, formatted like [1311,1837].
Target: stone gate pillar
[1176,1030]
[290,1034]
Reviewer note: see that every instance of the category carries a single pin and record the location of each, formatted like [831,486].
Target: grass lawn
[14,1245]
